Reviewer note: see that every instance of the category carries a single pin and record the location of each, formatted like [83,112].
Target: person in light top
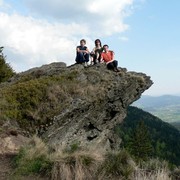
[107,56]
[96,52]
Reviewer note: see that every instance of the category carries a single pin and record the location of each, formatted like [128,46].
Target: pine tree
[6,70]
[140,144]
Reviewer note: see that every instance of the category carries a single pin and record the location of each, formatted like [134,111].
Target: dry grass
[85,165]
[36,148]
[159,174]
[78,166]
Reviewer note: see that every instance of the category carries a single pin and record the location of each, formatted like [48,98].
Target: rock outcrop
[90,118]
[83,104]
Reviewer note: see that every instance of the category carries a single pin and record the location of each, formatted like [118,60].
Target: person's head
[82,42]
[97,42]
[105,47]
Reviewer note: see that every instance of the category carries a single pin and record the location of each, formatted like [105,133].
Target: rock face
[90,118]
[84,104]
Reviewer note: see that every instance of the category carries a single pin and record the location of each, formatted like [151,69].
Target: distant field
[168,113]
[165,107]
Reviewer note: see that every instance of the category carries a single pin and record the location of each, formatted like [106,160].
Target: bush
[6,70]
[79,165]
[33,159]
[117,165]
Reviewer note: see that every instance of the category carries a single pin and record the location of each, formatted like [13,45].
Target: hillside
[73,111]
[165,107]
[165,138]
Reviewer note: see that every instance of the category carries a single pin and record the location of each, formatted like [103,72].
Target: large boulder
[89,119]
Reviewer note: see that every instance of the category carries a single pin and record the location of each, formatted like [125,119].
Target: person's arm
[78,50]
[87,50]
[101,59]
[93,51]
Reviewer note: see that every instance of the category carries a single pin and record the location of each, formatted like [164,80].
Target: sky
[144,34]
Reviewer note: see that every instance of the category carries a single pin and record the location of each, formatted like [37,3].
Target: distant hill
[165,138]
[166,107]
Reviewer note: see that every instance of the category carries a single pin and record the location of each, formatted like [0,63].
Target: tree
[6,70]
[140,144]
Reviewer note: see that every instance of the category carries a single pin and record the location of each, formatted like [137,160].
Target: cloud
[104,18]
[37,41]
[51,30]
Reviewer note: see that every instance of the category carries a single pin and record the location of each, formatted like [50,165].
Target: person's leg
[92,56]
[115,63]
[86,58]
[80,58]
[110,66]
[97,57]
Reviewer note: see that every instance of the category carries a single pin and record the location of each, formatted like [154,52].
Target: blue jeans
[81,57]
[112,65]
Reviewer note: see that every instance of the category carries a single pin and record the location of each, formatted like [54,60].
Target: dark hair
[105,45]
[97,40]
[83,40]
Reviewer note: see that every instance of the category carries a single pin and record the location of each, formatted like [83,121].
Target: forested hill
[165,138]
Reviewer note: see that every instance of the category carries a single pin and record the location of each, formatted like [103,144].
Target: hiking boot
[85,64]
[96,61]
[116,70]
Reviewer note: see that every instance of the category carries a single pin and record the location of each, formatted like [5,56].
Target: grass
[79,165]
[32,101]
[117,165]
[36,159]
[33,159]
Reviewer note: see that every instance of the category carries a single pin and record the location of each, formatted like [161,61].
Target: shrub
[79,165]
[117,165]
[6,70]
[33,159]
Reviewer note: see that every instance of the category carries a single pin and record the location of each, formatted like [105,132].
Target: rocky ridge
[89,122]
[95,100]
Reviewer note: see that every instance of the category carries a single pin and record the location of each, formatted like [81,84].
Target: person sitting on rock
[107,56]
[82,53]
[96,52]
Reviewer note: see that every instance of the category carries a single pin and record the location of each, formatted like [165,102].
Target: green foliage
[35,165]
[6,70]
[140,143]
[117,165]
[34,101]
[72,148]
[86,160]
[165,138]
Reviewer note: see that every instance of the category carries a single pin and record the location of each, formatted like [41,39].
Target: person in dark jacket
[82,53]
